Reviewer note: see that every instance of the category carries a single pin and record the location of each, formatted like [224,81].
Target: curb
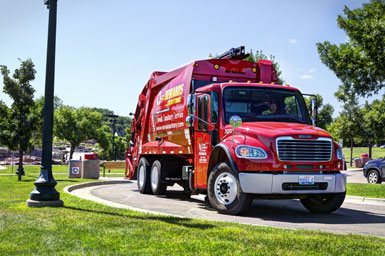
[89,196]
[348,199]
[365,200]
[71,188]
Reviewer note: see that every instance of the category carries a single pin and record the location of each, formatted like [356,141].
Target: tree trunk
[72,151]
[351,152]
[370,150]
[20,169]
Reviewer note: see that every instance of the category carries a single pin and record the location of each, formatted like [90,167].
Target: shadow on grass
[186,222]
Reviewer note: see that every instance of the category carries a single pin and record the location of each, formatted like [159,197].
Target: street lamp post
[45,193]
[113,124]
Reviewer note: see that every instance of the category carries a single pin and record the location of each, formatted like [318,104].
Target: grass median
[366,190]
[85,227]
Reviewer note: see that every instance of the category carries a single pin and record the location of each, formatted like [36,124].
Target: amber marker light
[216,66]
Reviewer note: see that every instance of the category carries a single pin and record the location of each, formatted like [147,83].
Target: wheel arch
[370,168]
[219,154]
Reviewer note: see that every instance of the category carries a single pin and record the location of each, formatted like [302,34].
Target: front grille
[304,150]
[297,186]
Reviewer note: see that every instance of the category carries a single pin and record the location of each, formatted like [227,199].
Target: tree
[4,132]
[37,111]
[21,121]
[349,125]
[104,142]
[373,123]
[360,62]
[76,125]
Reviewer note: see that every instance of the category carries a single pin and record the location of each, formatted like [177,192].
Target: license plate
[306,180]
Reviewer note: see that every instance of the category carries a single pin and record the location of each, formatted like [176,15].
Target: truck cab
[257,140]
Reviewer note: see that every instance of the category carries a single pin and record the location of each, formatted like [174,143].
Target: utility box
[75,169]
[91,169]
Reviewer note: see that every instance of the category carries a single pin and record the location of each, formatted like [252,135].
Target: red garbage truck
[225,127]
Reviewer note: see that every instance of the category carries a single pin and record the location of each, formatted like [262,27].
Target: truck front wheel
[143,176]
[323,203]
[157,185]
[224,191]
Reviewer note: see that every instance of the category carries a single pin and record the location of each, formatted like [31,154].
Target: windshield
[265,104]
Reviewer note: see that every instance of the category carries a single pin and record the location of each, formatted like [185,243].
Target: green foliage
[20,122]
[37,133]
[76,125]
[373,122]
[360,62]
[4,114]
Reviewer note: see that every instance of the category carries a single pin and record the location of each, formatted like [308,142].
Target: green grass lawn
[357,151]
[366,190]
[85,227]
[35,169]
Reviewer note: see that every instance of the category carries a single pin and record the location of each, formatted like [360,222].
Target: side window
[205,111]
[200,114]
[214,107]
[292,107]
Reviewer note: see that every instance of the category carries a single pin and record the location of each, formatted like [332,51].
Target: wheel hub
[373,178]
[226,188]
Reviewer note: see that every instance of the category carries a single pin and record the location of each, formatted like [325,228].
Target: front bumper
[285,184]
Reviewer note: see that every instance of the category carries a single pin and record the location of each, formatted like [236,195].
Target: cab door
[204,125]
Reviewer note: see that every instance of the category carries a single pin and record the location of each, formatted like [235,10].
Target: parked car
[374,170]
[382,146]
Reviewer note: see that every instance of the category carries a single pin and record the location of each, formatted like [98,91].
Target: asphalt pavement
[355,218]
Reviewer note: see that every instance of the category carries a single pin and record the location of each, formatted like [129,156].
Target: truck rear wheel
[143,176]
[224,191]
[323,203]
[157,186]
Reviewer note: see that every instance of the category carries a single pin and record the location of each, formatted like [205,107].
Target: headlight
[339,153]
[250,152]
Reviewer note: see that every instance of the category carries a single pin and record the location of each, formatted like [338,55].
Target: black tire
[374,177]
[323,203]
[156,180]
[143,182]
[219,190]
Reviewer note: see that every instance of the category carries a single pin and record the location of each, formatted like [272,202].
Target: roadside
[358,217]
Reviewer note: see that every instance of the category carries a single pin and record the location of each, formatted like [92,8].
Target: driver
[272,110]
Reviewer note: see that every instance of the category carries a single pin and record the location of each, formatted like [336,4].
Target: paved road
[356,176]
[350,218]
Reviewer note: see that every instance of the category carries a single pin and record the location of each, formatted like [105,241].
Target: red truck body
[185,131]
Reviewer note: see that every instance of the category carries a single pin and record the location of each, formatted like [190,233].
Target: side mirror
[313,111]
[235,122]
[189,120]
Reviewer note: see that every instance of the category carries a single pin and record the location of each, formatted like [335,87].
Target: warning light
[216,66]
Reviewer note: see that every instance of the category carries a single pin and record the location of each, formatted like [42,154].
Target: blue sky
[106,50]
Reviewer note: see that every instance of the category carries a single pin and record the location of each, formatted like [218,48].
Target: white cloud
[292,41]
[312,70]
[306,76]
